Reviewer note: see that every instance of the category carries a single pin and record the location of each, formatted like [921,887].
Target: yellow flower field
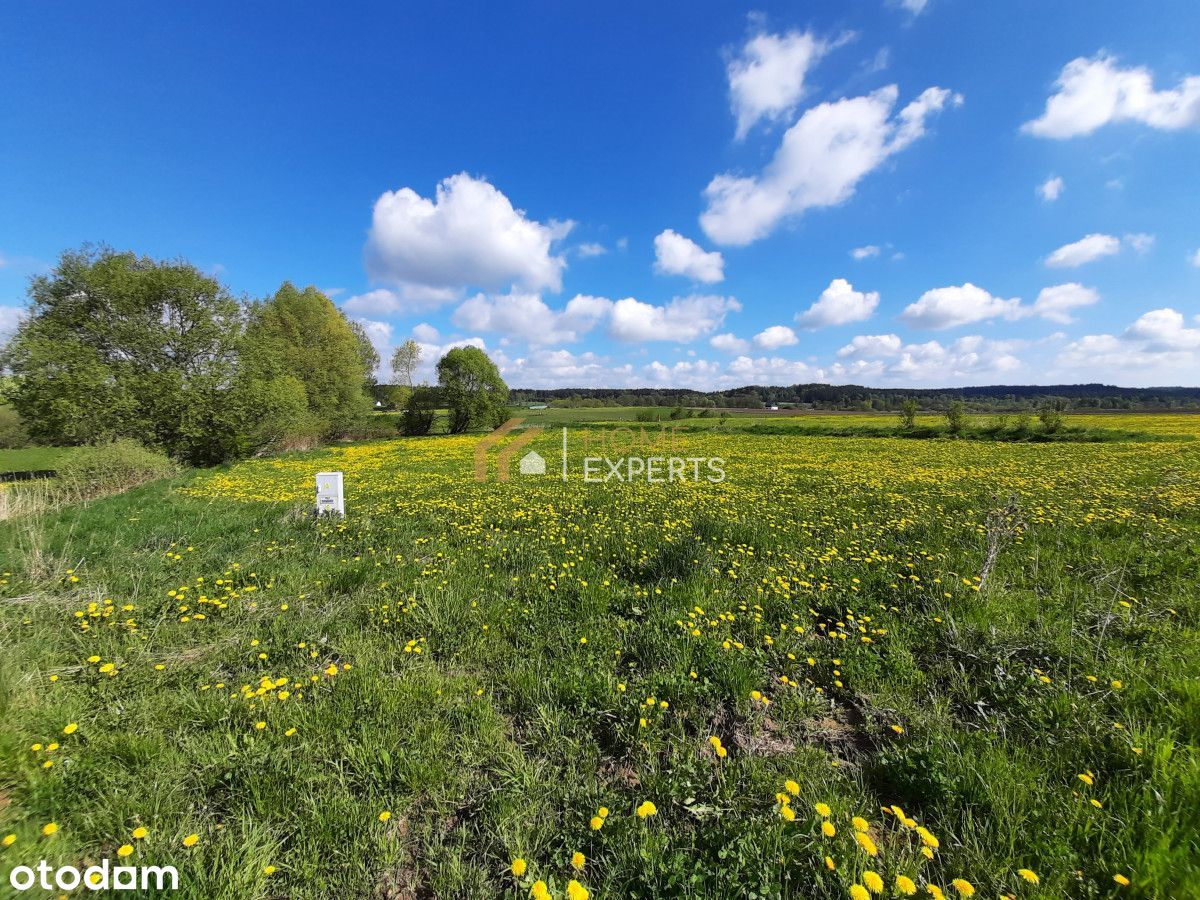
[854,667]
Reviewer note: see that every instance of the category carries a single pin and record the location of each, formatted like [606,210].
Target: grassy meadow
[796,682]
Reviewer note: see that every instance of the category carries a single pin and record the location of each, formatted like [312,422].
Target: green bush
[113,467]
[419,412]
[12,430]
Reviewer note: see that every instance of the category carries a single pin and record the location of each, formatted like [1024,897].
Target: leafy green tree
[908,414]
[474,391]
[367,355]
[405,359]
[117,345]
[301,334]
[956,416]
[1051,416]
[420,409]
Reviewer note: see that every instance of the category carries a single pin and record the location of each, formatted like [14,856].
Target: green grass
[29,459]
[506,733]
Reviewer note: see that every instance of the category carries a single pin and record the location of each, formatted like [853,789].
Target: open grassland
[31,459]
[788,683]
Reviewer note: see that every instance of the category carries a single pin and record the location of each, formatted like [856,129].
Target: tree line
[116,345]
[988,398]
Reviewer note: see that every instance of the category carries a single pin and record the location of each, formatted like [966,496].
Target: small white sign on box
[329,494]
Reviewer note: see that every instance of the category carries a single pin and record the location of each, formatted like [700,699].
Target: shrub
[908,413]
[419,412]
[649,415]
[107,468]
[1051,417]
[12,429]
[956,416]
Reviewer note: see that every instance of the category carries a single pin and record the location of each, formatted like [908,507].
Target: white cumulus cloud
[774,337]
[1141,243]
[10,318]
[766,78]
[426,333]
[1158,348]
[526,316]
[1085,250]
[675,254]
[1091,93]
[729,343]
[683,319]
[819,162]
[884,358]
[1056,303]
[1051,189]
[948,307]
[872,345]
[839,304]
[1163,329]
[865,252]
[469,234]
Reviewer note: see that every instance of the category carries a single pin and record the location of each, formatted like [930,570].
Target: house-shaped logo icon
[533,464]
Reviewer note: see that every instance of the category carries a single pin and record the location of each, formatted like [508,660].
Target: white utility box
[330,499]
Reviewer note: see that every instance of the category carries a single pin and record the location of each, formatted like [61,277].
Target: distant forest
[853,397]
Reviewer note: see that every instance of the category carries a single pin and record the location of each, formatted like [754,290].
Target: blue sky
[644,194]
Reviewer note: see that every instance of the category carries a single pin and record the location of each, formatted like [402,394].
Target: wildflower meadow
[856,667]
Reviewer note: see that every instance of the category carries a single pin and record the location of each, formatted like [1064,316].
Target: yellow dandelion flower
[860,824]
[191,840]
[71,728]
[868,845]
[1121,880]
[906,885]
[576,891]
[385,816]
[858,892]
[597,823]
[792,788]
[827,829]
[519,867]
[964,887]
[1086,778]
[646,809]
[269,870]
[50,828]
[1029,875]
[539,891]
[830,864]
[873,881]
[9,840]
[140,833]
[124,850]
[578,861]
[823,810]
